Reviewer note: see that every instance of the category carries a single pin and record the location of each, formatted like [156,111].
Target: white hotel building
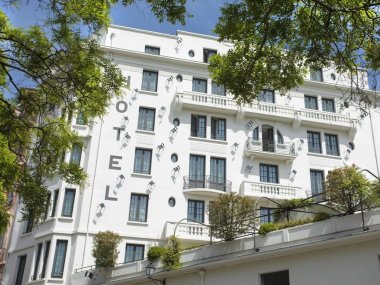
[177,140]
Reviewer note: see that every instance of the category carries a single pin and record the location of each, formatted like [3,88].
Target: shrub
[155,253]
[230,216]
[267,228]
[104,249]
[321,216]
[285,208]
[270,227]
[171,256]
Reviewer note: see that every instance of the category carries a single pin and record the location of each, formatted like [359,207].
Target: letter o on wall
[121,106]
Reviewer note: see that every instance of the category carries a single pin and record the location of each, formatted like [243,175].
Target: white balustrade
[190,231]
[325,116]
[271,190]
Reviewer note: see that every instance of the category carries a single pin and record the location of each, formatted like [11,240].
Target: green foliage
[270,227]
[321,216]
[277,41]
[230,216]
[347,187]
[172,254]
[104,249]
[155,253]
[286,207]
[267,228]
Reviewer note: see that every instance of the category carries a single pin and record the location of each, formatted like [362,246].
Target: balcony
[269,111]
[270,149]
[208,186]
[316,118]
[270,190]
[188,231]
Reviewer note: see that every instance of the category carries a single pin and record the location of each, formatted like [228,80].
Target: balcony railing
[188,231]
[207,182]
[203,98]
[271,146]
[271,190]
[270,108]
[328,117]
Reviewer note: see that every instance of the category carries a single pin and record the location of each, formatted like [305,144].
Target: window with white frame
[266,96]
[208,53]
[198,126]
[143,161]
[146,119]
[195,211]
[200,85]
[314,142]
[328,105]
[332,145]
[134,252]
[68,203]
[152,50]
[217,89]
[311,102]
[316,74]
[218,129]
[59,259]
[138,209]
[76,154]
[149,81]
[268,173]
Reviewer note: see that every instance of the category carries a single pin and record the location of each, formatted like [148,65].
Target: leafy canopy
[230,216]
[104,248]
[277,41]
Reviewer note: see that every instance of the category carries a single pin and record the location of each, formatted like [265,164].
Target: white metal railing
[324,116]
[271,146]
[203,98]
[190,231]
[271,190]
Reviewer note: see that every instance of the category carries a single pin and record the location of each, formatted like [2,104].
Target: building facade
[174,142]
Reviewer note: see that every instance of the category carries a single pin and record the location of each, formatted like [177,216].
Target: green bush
[155,253]
[321,216]
[267,228]
[171,256]
[271,227]
[104,249]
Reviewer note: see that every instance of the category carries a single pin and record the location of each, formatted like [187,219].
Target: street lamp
[149,271]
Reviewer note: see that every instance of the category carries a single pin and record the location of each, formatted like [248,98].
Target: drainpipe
[92,193]
[374,143]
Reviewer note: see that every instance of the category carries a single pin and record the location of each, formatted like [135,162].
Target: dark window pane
[37,261]
[46,256]
[332,146]
[218,173]
[146,119]
[316,74]
[143,159]
[266,215]
[138,209]
[217,89]
[328,105]
[314,142]
[198,126]
[266,96]
[207,54]
[316,181]
[76,154]
[134,252]
[255,134]
[275,278]
[268,173]
[197,171]
[195,211]
[218,129]
[55,200]
[59,259]
[199,85]
[152,50]
[311,102]
[20,269]
[149,81]
[81,119]
[68,203]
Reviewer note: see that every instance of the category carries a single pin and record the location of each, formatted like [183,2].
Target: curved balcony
[188,231]
[270,149]
[209,186]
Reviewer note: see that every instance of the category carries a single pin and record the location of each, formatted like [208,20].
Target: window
[176,122]
[275,278]
[146,119]
[152,50]
[174,157]
[55,200]
[138,209]
[217,89]
[20,269]
[76,154]
[255,134]
[171,202]
[198,126]
[266,215]
[199,85]
[266,96]
[207,54]
[316,74]
[268,173]
[37,261]
[68,203]
[316,182]
[218,129]
[81,119]
[191,53]
[143,160]
[195,211]
[311,102]
[314,142]
[46,256]
[134,252]
[328,105]
[197,171]
[332,146]
[149,81]
[29,223]
[47,207]
[59,259]
[218,173]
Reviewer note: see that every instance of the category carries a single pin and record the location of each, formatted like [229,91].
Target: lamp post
[149,271]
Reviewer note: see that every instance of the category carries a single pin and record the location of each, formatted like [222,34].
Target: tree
[49,73]
[104,249]
[347,188]
[230,216]
[277,41]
